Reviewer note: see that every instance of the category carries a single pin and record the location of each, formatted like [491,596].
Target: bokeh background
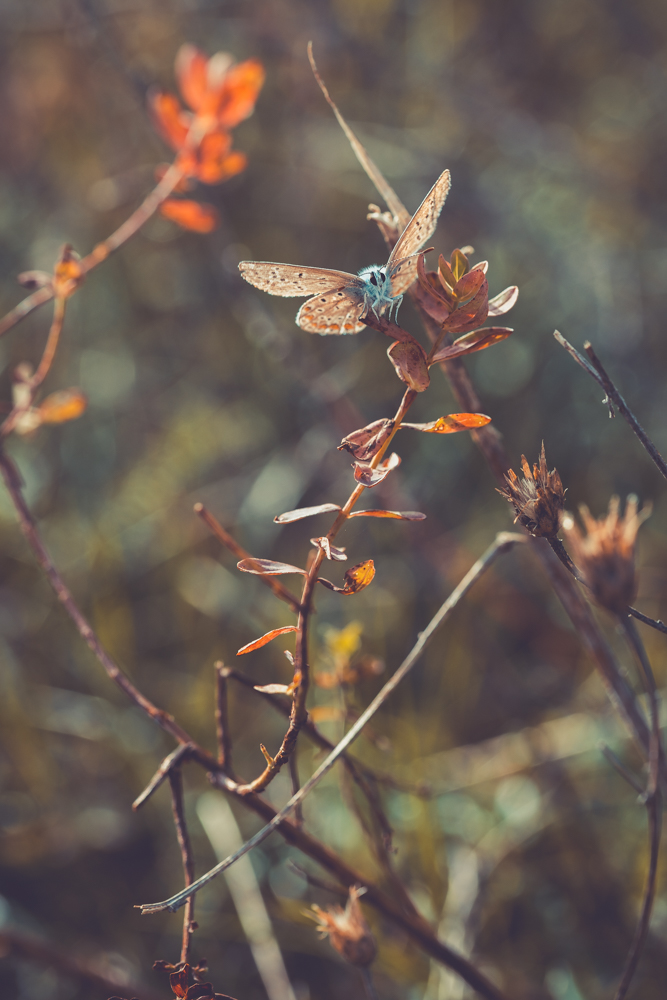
[531,853]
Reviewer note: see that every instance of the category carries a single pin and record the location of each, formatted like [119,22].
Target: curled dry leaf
[403,515]
[277,688]
[504,301]
[355,579]
[476,340]
[482,266]
[452,423]
[201,218]
[330,551]
[263,639]
[409,360]
[267,567]
[369,477]
[301,512]
[365,443]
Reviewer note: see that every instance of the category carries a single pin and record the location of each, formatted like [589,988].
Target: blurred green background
[551,116]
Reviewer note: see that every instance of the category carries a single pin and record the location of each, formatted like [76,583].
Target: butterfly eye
[373,279]
[382,276]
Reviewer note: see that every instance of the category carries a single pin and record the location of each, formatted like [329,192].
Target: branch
[504,541]
[175,758]
[613,396]
[189,925]
[224,739]
[653,802]
[229,542]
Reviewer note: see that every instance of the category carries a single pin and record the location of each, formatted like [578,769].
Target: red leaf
[191,65]
[262,641]
[452,423]
[369,477]
[355,579]
[239,91]
[504,301]
[365,443]
[191,215]
[301,512]
[330,551]
[476,340]
[266,567]
[171,121]
[409,360]
[404,515]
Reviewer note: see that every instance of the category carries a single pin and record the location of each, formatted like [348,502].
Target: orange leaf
[369,477]
[409,360]
[62,406]
[504,301]
[191,214]
[266,567]
[301,512]
[262,641]
[239,92]
[191,74]
[404,515]
[355,579]
[452,423]
[171,121]
[476,340]
[468,285]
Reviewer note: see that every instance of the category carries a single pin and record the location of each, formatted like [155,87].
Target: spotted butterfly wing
[337,311]
[292,280]
[401,271]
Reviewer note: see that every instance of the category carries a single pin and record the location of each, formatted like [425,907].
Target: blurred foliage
[551,116]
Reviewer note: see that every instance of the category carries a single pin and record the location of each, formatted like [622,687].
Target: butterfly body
[339,299]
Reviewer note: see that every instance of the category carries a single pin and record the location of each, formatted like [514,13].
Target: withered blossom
[538,499]
[348,931]
[605,555]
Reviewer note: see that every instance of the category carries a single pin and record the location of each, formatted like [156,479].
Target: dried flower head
[348,931]
[605,555]
[538,499]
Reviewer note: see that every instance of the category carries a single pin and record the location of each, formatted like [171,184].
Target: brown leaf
[404,515]
[370,477]
[476,340]
[355,579]
[472,314]
[468,285]
[266,567]
[330,551]
[301,512]
[452,423]
[482,266]
[367,441]
[504,301]
[409,360]
[263,639]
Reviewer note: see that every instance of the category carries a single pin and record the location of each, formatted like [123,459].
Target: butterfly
[340,300]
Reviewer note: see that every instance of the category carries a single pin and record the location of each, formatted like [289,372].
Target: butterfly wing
[336,311]
[419,229]
[289,279]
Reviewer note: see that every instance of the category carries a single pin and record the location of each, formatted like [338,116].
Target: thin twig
[29,528]
[653,802]
[189,925]
[230,542]
[296,785]
[595,369]
[224,739]
[175,758]
[620,768]
[504,541]
[369,985]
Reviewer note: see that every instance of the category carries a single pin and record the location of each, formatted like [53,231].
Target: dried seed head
[605,555]
[538,499]
[348,931]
